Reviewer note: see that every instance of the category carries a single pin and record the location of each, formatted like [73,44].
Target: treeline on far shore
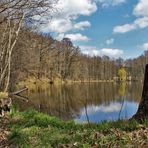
[40,56]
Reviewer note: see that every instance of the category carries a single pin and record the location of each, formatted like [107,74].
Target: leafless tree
[14,15]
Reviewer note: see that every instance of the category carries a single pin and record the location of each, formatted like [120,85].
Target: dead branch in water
[22,98]
[19,91]
[17,94]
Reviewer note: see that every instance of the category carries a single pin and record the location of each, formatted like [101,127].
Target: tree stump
[5,105]
[142,112]
[6,101]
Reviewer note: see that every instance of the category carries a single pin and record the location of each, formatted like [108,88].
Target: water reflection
[87,102]
[113,111]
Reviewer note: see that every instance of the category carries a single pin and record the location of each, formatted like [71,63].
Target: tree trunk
[142,112]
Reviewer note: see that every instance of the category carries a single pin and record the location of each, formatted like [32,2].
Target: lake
[85,102]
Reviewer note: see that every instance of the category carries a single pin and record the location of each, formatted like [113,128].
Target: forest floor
[31,129]
[4,133]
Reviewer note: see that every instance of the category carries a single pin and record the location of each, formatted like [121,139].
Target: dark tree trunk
[142,112]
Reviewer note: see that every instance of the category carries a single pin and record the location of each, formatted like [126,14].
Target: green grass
[34,129]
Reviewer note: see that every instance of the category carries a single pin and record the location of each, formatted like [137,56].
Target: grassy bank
[34,129]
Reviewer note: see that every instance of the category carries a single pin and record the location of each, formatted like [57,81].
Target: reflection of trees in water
[122,93]
[135,91]
[122,89]
[67,101]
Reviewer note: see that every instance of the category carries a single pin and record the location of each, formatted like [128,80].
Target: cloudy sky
[116,28]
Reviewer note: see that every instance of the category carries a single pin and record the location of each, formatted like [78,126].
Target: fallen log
[17,94]
[22,98]
[19,91]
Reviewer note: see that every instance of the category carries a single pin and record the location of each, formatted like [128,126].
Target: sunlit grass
[32,83]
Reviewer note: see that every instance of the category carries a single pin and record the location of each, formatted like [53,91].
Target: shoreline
[32,82]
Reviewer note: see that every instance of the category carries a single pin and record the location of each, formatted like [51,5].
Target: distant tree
[122,89]
[122,74]
[69,55]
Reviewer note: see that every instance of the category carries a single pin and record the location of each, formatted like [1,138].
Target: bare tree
[14,14]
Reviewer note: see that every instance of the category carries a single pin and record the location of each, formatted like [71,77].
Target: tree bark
[142,112]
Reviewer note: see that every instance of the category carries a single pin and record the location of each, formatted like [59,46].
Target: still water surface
[93,102]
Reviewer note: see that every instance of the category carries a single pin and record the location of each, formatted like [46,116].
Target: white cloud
[90,50]
[74,8]
[64,25]
[113,107]
[93,51]
[82,25]
[106,3]
[140,11]
[114,53]
[77,37]
[68,11]
[58,25]
[141,22]
[145,46]
[110,41]
[137,24]
[73,37]
[124,28]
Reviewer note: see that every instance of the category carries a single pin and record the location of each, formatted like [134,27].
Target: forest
[27,53]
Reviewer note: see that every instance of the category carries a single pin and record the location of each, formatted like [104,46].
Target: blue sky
[116,28]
